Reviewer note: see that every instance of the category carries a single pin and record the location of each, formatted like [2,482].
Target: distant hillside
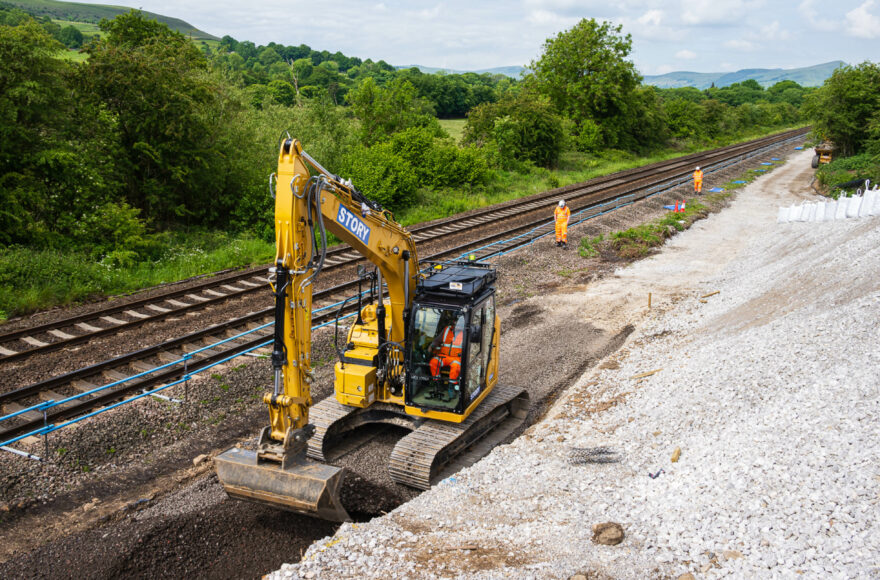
[811,76]
[509,71]
[93,13]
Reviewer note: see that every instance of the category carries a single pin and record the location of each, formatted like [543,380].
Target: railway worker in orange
[561,215]
[447,346]
[698,180]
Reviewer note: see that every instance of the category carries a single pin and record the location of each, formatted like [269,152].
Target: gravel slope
[758,430]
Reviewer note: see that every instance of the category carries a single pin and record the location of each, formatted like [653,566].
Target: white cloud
[818,21]
[773,31]
[861,23]
[429,13]
[651,18]
[722,12]
[686,54]
[739,44]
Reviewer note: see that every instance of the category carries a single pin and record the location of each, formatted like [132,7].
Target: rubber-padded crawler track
[434,449]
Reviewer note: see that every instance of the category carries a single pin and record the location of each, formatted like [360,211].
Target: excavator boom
[279,473]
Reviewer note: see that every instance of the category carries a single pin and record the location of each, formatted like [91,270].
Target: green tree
[384,111]
[684,118]
[585,74]
[71,37]
[524,127]
[154,83]
[55,163]
[847,106]
[282,92]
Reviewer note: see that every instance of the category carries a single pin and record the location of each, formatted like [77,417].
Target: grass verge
[639,241]
[32,280]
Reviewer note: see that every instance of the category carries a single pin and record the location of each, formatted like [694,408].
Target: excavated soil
[121,496]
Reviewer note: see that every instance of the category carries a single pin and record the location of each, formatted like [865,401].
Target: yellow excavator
[425,358]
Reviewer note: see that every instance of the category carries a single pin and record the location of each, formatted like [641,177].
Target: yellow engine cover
[355,384]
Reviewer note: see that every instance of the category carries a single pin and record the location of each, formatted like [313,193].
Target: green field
[455,128]
[87,28]
[71,12]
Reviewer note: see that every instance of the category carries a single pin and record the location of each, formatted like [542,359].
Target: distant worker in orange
[447,345]
[698,180]
[561,215]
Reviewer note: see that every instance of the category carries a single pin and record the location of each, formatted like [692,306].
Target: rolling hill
[811,76]
[510,71]
[93,13]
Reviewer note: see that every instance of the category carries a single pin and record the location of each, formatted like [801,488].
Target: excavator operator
[447,349]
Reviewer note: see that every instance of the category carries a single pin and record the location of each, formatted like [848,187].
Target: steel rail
[422,233]
[194,364]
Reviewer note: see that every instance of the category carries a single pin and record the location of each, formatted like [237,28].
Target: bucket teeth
[302,486]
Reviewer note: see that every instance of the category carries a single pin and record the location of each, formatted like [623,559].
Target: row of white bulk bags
[843,208]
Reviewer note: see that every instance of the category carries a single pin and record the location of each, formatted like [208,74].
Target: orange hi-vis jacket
[698,176]
[449,354]
[561,213]
[451,345]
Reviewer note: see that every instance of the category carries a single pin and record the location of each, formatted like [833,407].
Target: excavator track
[434,449]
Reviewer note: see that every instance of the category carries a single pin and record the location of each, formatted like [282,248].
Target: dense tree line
[70,36]
[153,132]
[286,73]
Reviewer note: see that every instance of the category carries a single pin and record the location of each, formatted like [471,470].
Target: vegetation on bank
[846,111]
[154,141]
[639,241]
[33,279]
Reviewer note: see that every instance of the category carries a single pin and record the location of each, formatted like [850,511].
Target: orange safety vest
[561,213]
[698,175]
[451,345]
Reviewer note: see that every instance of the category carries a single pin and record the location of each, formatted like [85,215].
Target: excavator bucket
[299,485]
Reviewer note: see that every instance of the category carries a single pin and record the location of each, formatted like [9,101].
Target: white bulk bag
[782,216]
[808,213]
[842,203]
[853,209]
[819,215]
[830,210]
[867,203]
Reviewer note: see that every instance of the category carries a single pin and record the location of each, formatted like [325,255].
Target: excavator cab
[451,335]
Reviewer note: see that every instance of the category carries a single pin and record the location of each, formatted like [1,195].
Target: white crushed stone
[769,389]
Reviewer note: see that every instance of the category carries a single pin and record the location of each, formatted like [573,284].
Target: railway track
[23,343]
[160,364]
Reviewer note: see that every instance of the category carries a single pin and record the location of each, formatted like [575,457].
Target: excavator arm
[309,203]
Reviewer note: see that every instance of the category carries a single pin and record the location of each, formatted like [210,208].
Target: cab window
[437,340]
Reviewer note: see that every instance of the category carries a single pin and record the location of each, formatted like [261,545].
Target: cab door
[481,331]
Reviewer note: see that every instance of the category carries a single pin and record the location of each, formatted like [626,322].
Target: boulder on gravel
[608,534]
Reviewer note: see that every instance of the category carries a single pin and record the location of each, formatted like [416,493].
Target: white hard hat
[561,203]
[698,167]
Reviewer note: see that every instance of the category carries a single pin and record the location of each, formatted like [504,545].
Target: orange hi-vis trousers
[561,215]
[453,363]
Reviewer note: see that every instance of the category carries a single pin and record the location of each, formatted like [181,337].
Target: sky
[673,35]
